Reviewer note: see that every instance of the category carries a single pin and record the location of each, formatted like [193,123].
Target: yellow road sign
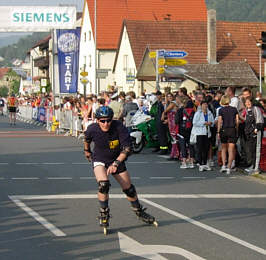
[175,62]
[84,73]
[161,70]
[161,61]
[152,54]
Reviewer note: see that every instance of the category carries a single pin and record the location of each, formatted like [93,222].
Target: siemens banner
[68,59]
[36,18]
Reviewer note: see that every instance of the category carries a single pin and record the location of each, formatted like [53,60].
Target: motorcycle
[143,132]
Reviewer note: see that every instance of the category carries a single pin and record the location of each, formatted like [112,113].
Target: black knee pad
[104,186]
[131,191]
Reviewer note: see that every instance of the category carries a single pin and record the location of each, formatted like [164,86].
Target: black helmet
[104,111]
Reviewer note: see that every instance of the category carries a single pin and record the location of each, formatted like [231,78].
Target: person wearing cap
[116,106]
[111,147]
[161,126]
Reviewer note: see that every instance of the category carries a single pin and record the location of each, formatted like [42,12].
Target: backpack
[1,102]
[188,114]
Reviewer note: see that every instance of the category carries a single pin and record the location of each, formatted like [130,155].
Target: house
[4,80]
[109,18]
[226,42]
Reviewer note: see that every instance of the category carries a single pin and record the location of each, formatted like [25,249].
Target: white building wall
[87,54]
[126,65]
[106,59]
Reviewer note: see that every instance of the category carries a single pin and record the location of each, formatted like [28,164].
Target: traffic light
[263,45]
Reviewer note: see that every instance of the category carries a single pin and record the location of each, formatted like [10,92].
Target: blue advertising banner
[68,59]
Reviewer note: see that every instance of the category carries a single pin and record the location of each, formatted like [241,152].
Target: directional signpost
[169,63]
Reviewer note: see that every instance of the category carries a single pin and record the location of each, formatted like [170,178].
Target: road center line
[59,178]
[57,232]
[206,227]
[25,178]
[161,178]
[3,163]
[53,163]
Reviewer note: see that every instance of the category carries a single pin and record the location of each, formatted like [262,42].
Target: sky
[78,3]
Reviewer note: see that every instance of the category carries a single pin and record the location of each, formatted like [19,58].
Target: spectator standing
[116,106]
[253,129]
[161,126]
[129,110]
[171,111]
[202,122]
[184,119]
[2,104]
[228,121]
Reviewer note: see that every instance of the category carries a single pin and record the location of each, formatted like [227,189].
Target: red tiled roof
[236,41]
[3,72]
[190,36]
[111,13]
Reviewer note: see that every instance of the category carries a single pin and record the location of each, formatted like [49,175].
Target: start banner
[68,59]
[36,18]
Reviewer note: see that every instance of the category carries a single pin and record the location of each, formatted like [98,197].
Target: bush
[3,91]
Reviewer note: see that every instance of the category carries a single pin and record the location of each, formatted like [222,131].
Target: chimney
[211,34]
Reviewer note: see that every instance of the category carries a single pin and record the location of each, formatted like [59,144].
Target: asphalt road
[49,206]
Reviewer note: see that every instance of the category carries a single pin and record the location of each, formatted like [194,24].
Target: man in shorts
[111,147]
[12,108]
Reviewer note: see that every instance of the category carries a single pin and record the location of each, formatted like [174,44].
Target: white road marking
[3,163]
[134,178]
[53,163]
[133,247]
[59,178]
[194,177]
[162,178]
[87,178]
[206,227]
[80,163]
[27,163]
[57,232]
[2,178]
[142,196]
[25,178]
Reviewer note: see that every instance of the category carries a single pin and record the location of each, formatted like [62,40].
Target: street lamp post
[259,45]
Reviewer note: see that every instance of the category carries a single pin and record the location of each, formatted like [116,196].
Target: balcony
[41,62]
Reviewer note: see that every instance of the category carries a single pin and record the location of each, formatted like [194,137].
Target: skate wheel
[155,223]
[105,231]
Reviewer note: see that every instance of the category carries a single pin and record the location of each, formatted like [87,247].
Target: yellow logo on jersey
[113,144]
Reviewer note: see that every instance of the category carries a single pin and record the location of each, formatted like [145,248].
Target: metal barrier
[65,121]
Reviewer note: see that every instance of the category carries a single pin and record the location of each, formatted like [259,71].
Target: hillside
[239,10]
[19,49]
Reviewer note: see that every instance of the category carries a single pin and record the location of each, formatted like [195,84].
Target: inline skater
[112,146]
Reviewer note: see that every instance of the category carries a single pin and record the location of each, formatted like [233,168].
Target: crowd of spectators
[192,128]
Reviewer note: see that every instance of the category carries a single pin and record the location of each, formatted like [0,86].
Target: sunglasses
[105,121]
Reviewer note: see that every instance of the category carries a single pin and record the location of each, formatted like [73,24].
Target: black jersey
[107,145]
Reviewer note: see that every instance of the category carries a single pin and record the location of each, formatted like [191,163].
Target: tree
[3,91]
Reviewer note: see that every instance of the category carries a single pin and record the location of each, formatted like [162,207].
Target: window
[90,60]
[89,35]
[85,37]
[125,62]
